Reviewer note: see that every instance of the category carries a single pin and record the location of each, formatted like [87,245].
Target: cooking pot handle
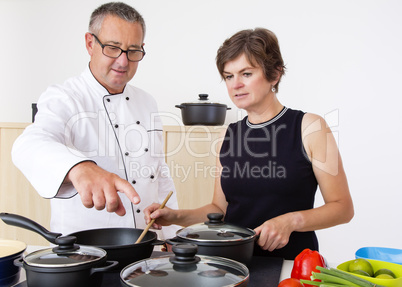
[21,221]
[108,266]
[18,262]
[180,106]
[158,242]
[228,108]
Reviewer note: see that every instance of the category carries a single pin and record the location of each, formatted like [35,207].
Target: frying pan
[119,243]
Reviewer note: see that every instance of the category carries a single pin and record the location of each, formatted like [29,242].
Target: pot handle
[173,241]
[18,262]
[228,108]
[180,106]
[158,242]
[21,221]
[108,266]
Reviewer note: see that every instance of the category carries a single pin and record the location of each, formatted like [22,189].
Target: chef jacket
[122,133]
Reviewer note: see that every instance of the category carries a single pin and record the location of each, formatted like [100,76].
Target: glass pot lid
[215,230]
[185,269]
[68,258]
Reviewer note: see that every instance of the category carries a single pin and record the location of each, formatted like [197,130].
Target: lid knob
[184,254]
[203,97]
[215,219]
[65,244]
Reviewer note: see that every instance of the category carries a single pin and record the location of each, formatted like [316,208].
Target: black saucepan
[64,265]
[185,268]
[203,112]
[218,238]
[119,243]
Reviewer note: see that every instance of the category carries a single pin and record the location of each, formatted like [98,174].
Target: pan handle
[21,221]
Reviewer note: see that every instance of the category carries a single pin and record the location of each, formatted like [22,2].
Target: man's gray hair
[118,9]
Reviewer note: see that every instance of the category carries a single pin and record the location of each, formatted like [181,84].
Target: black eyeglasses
[115,52]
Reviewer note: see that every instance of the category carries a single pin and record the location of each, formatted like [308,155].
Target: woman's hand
[274,233]
[164,217]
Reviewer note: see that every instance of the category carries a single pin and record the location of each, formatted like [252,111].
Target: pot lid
[202,100]
[215,230]
[69,258]
[185,269]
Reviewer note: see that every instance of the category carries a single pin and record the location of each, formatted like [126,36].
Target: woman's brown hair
[261,48]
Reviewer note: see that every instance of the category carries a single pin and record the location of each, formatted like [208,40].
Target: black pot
[203,112]
[9,251]
[185,269]
[64,265]
[74,268]
[119,243]
[217,238]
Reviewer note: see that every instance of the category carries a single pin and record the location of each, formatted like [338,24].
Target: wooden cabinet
[191,157]
[190,154]
[16,194]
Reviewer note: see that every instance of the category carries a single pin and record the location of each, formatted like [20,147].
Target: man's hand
[98,188]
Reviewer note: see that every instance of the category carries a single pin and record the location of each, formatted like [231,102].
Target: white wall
[344,62]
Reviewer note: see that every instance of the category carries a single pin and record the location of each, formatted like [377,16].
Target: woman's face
[247,86]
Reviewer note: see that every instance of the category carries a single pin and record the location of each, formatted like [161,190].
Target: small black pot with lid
[57,267]
[218,238]
[185,268]
[64,265]
[203,112]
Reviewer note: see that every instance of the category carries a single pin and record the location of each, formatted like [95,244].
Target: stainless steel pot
[203,112]
[218,238]
[185,268]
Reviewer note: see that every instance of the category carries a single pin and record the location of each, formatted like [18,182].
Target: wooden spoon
[153,220]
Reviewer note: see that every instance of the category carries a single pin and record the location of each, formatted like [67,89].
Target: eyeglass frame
[121,50]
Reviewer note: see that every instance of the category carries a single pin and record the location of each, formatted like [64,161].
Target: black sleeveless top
[266,173]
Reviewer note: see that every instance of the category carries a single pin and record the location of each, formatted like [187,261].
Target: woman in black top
[271,161]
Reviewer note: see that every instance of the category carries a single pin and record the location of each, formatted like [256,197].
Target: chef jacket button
[152,176]
[116,126]
[127,98]
[138,210]
[126,153]
[146,149]
[138,122]
[108,100]
[133,182]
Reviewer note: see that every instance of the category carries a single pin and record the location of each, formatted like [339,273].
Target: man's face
[111,73]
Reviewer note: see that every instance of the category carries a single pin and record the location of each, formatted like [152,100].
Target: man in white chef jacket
[95,148]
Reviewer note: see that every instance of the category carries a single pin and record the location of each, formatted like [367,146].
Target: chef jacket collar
[95,83]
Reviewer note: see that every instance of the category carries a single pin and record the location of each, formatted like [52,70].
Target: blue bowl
[380,253]
[9,273]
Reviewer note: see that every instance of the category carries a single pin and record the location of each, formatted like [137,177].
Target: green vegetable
[353,280]
[327,278]
[315,283]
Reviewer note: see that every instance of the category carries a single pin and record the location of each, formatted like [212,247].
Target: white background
[343,62]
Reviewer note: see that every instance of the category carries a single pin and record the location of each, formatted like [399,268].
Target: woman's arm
[322,150]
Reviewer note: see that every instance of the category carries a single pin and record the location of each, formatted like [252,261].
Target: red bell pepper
[305,263]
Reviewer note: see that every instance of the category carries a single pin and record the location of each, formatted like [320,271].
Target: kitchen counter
[264,271]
